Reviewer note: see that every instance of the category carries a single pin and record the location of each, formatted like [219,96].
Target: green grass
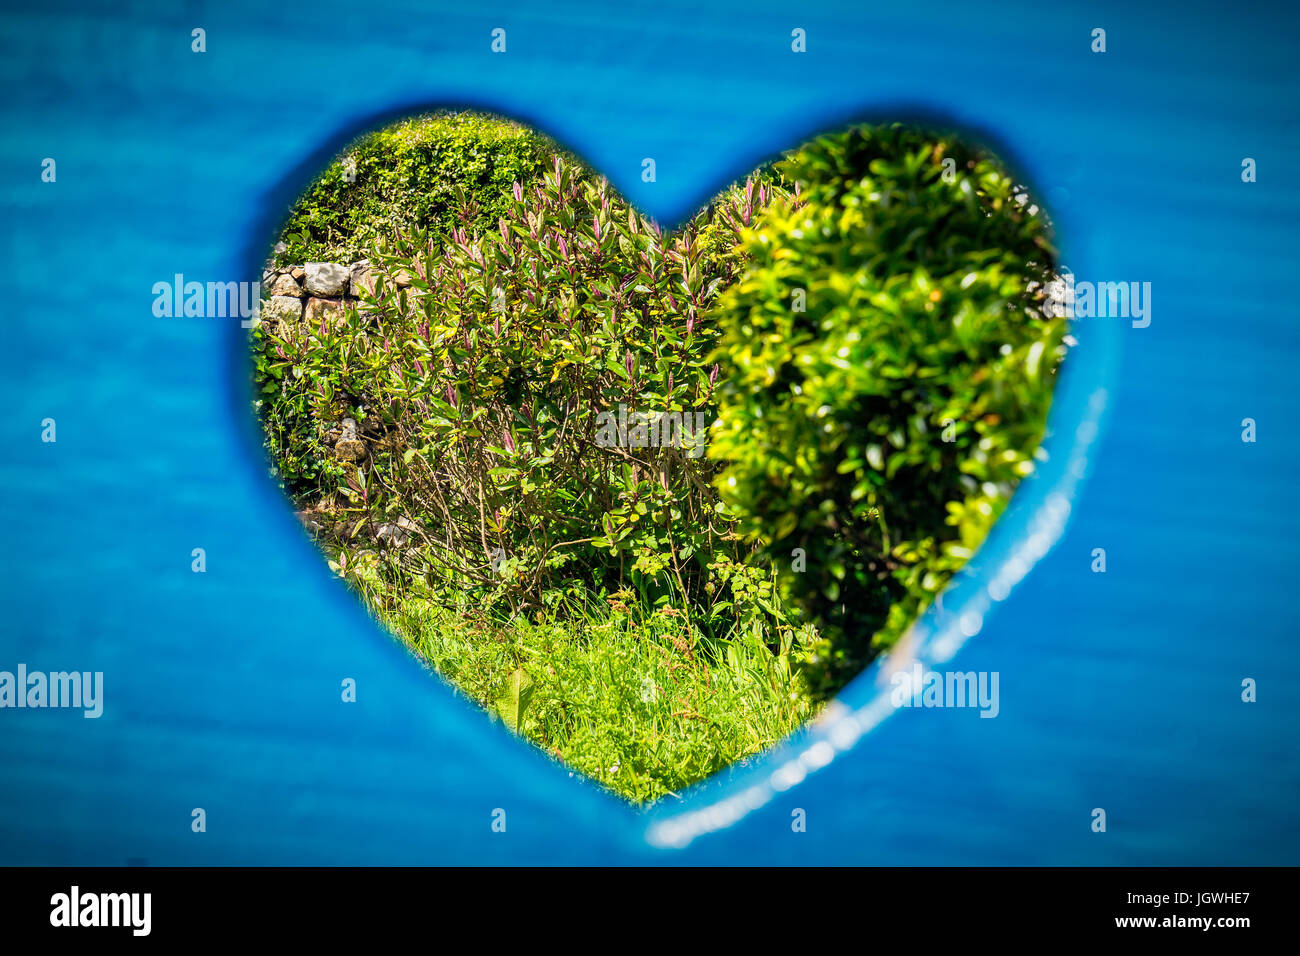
[643,706]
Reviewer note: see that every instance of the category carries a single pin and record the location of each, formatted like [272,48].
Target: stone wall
[313,292]
[309,295]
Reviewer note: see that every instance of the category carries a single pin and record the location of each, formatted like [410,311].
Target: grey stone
[326,278]
[392,535]
[285,285]
[282,308]
[329,311]
[397,534]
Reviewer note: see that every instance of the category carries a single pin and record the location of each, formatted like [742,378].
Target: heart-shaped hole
[653,497]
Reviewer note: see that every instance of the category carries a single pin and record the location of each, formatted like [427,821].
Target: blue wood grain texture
[222,690]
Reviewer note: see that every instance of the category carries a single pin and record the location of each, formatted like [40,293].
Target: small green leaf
[512,705]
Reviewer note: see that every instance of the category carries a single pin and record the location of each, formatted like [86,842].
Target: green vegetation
[879,432]
[405,178]
[617,694]
[535,512]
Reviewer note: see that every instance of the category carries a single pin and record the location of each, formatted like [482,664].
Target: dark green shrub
[407,178]
[878,434]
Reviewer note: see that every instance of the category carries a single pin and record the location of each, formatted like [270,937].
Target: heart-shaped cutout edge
[1033,521]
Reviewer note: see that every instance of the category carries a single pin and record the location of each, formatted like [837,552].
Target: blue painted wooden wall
[222,690]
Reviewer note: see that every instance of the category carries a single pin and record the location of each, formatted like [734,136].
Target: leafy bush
[406,177]
[539,398]
[886,375]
